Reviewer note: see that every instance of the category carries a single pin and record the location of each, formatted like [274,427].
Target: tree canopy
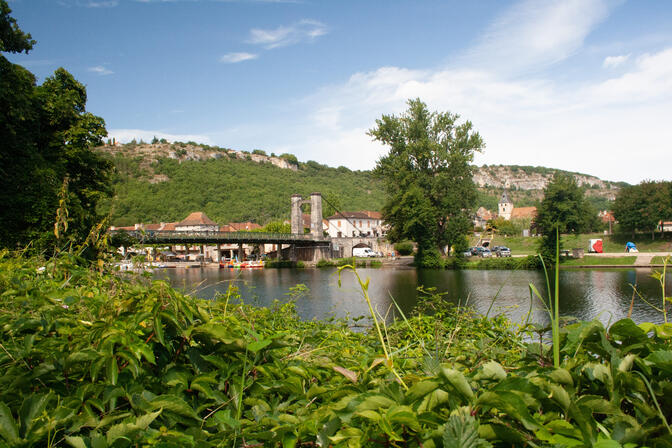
[47,137]
[641,207]
[564,206]
[427,176]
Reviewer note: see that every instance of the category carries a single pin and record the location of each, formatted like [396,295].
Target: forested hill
[166,184]
[167,181]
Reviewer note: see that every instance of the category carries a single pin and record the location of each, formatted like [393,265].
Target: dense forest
[234,189]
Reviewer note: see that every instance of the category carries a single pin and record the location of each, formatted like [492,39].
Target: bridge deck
[175,237]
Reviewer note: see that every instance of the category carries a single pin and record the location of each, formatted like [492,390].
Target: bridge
[208,237]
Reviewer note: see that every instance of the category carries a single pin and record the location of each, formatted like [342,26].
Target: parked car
[485,253]
[480,251]
[502,251]
[363,252]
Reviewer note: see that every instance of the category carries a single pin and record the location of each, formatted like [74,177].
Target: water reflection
[585,294]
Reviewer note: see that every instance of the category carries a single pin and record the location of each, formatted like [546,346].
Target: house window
[338,223]
[360,223]
[368,224]
[339,235]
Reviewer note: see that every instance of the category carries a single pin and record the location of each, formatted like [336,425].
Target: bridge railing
[174,235]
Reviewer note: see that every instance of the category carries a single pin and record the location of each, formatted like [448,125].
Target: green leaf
[461,431]
[491,370]
[419,390]
[174,404]
[8,429]
[289,440]
[457,380]
[661,359]
[403,415]
[112,370]
[76,442]
[158,329]
[31,410]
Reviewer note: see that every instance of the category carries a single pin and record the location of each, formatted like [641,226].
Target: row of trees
[642,207]
[45,159]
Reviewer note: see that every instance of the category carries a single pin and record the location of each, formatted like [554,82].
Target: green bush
[404,247]
[284,264]
[429,259]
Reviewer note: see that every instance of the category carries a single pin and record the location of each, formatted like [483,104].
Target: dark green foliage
[283,264]
[46,135]
[404,247]
[565,208]
[91,359]
[231,190]
[427,176]
[12,39]
[641,207]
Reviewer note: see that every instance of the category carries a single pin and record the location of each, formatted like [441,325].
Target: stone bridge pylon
[315,203]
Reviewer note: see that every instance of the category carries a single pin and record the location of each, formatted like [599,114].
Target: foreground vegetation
[93,359]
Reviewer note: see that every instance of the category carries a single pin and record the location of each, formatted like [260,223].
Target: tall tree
[564,207]
[47,137]
[641,207]
[427,175]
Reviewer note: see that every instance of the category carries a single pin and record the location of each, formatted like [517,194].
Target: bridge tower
[315,203]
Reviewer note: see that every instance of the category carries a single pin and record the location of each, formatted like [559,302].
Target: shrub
[404,248]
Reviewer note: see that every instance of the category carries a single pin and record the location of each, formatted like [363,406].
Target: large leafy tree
[47,137]
[641,207]
[564,207]
[427,175]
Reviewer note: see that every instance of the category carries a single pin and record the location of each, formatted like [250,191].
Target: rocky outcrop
[150,153]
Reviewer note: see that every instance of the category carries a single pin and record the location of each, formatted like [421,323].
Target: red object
[597,247]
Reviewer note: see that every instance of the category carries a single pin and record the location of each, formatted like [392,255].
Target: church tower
[505,206]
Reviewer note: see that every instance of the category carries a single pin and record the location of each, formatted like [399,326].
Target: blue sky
[581,85]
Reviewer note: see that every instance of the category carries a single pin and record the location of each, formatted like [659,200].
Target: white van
[363,252]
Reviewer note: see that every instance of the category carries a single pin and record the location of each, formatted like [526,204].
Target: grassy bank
[591,260]
[611,243]
[94,359]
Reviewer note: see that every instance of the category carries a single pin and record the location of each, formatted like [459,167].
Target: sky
[579,85]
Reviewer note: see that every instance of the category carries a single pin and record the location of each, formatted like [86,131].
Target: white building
[354,224]
[505,207]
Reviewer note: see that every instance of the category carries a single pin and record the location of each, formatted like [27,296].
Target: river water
[585,294]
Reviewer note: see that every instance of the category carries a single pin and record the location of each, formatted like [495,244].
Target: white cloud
[100,70]
[232,58]
[126,135]
[616,128]
[615,61]
[534,34]
[287,35]
[89,3]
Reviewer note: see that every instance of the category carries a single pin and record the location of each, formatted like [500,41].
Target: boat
[241,264]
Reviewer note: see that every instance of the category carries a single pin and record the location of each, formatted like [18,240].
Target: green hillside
[231,190]
[167,181]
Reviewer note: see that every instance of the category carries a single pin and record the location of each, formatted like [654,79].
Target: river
[585,294]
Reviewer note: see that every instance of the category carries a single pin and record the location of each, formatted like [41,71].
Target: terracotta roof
[197,219]
[357,215]
[125,228]
[169,226]
[373,215]
[523,212]
[243,226]
[153,226]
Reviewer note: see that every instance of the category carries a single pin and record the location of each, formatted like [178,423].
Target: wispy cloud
[534,34]
[615,61]
[232,58]
[89,3]
[282,36]
[100,70]
[526,115]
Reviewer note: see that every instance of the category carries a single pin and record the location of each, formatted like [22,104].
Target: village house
[353,224]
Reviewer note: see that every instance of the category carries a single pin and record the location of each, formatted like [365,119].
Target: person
[630,247]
